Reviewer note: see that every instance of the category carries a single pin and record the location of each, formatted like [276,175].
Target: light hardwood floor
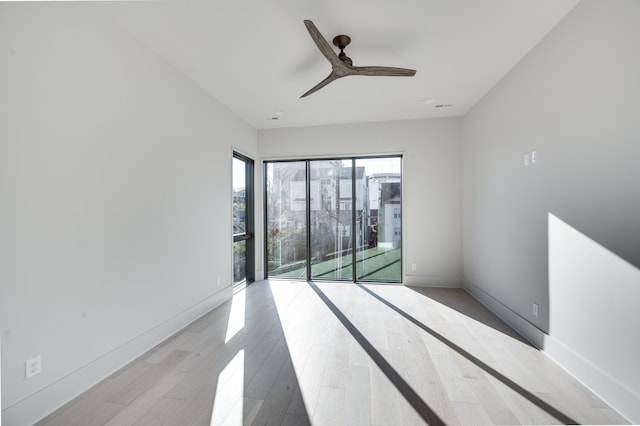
[336,353]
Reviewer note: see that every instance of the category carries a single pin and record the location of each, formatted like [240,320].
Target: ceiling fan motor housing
[341,41]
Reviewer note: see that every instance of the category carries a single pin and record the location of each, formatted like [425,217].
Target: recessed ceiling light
[428,101]
[275,116]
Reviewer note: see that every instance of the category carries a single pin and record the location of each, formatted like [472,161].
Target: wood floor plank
[146,380]
[297,405]
[311,376]
[296,420]
[251,408]
[275,406]
[491,401]
[525,411]
[260,385]
[332,399]
[385,408]
[258,352]
[204,376]
[453,381]
[199,405]
[159,412]
[357,396]
[336,372]
[472,414]
[141,405]
[184,340]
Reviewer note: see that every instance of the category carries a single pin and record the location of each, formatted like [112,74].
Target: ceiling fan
[343,65]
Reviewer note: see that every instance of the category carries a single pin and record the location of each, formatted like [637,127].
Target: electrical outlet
[219,280]
[534,157]
[526,159]
[535,310]
[33,367]
[414,266]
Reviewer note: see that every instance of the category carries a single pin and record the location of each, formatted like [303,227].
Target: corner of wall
[523,327]
[428,281]
[43,402]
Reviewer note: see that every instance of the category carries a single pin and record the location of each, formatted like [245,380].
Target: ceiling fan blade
[333,76]
[322,43]
[342,65]
[384,71]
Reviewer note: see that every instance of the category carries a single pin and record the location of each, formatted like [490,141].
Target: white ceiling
[256,56]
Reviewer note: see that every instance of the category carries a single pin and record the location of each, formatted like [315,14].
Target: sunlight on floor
[236,316]
[421,355]
[228,403]
[283,292]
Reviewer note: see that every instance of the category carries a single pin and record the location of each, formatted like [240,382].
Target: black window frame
[249,233]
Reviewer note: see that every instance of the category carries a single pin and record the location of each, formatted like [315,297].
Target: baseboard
[520,325]
[427,281]
[624,400]
[48,399]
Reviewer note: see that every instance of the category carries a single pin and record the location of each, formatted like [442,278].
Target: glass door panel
[286,204]
[379,253]
[239,262]
[331,198]
[242,182]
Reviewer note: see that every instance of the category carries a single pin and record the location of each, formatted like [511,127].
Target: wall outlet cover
[32,367]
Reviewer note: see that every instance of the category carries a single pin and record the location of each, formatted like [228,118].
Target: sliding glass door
[286,219]
[380,255]
[337,219]
[331,198]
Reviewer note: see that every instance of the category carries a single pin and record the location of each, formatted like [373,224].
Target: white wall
[599,344]
[576,100]
[432,182]
[115,184]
